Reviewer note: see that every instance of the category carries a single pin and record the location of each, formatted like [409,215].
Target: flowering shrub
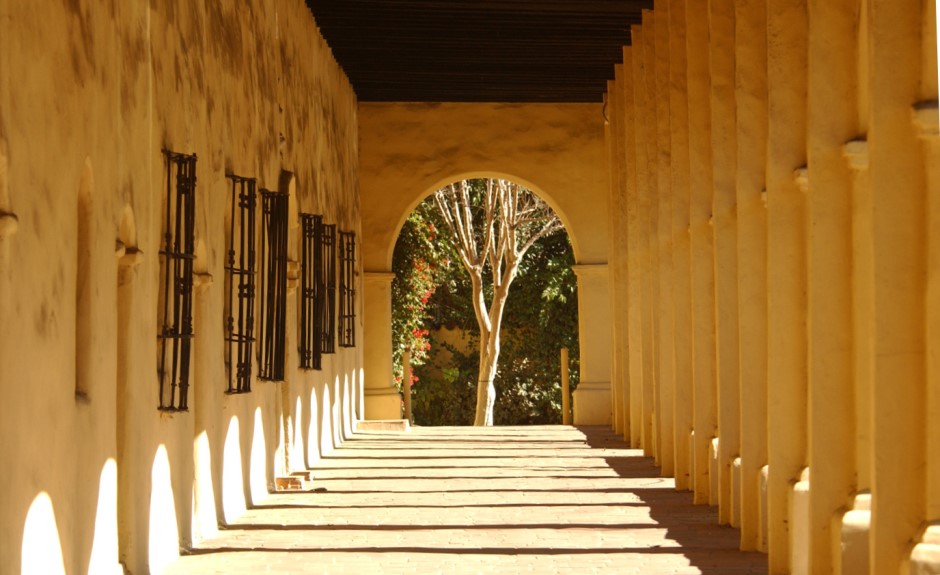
[419,261]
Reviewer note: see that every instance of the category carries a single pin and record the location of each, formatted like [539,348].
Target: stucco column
[724,156]
[645,135]
[591,404]
[926,554]
[382,400]
[665,311]
[786,275]
[681,252]
[705,416]
[751,107]
[651,339]
[613,131]
[832,121]
[632,127]
[899,238]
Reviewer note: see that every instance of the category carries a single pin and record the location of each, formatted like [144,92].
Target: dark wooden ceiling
[478,50]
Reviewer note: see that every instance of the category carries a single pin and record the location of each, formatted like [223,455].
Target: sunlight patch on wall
[42,549]
[164,530]
[233,486]
[104,549]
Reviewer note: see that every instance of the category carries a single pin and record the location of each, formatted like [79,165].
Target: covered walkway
[469,500]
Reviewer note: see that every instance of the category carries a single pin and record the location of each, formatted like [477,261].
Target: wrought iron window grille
[328,287]
[176,289]
[273,316]
[347,289]
[240,284]
[311,292]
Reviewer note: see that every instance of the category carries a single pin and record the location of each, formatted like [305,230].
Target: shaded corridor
[547,499]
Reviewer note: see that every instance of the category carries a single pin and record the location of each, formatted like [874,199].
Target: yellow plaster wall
[90,92]
[410,150]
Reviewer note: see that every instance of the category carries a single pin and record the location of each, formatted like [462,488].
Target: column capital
[8,224]
[378,277]
[926,118]
[856,153]
[585,271]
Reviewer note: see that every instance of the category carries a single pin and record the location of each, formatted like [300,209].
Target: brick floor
[546,499]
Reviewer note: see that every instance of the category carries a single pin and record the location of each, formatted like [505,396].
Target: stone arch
[441,182]
[408,150]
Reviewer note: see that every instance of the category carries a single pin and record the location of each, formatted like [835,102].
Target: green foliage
[541,317]
[420,262]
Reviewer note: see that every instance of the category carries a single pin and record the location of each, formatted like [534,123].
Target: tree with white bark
[492,222]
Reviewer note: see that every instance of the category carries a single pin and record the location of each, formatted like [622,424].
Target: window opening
[176,307]
[240,285]
[311,292]
[328,286]
[271,353]
[347,289]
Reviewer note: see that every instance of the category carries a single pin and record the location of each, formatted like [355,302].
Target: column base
[591,402]
[714,483]
[763,542]
[799,525]
[736,493]
[854,535]
[925,559]
[382,403]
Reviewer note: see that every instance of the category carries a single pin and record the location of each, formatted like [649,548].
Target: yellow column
[614,169]
[899,237]
[591,399]
[645,134]
[724,155]
[624,74]
[832,121]
[652,214]
[666,340]
[705,417]
[382,400]
[681,255]
[751,107]
[786,251]
[632,65]
[926,555]
[856,522]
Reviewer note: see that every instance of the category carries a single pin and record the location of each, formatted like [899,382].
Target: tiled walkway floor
[470,500]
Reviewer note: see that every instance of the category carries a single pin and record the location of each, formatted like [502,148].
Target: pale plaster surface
[89,94]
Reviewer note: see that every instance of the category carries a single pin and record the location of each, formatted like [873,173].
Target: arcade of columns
[775,271]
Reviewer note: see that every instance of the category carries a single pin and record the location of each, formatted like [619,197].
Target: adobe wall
[90,93]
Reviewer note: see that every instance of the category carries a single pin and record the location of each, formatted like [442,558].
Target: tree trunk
[486,390]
